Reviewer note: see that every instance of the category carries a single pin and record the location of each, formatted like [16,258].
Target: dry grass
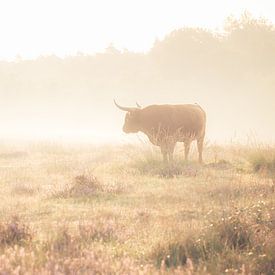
[119,210]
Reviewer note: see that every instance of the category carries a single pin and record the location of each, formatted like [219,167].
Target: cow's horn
[138,105]
[127,109]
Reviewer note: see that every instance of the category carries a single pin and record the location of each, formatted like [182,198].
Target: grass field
[118,210]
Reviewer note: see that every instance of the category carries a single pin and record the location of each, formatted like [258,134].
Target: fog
[231,74]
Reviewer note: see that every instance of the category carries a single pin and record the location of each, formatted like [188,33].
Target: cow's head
[132,118]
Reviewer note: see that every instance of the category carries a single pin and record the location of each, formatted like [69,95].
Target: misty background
[231,74]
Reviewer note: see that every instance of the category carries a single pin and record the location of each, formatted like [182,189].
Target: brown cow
[165,125]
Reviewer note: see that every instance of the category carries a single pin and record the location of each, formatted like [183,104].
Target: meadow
[117,209]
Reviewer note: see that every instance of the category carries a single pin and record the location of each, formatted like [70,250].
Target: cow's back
[181,120]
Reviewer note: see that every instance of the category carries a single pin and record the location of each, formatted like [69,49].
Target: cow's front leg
[171,148]
[187,144]
[167,151]
[200,148]
[164,151]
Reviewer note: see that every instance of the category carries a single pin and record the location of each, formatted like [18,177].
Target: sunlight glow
[32,28]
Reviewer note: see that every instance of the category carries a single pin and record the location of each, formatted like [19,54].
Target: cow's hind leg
[200,148]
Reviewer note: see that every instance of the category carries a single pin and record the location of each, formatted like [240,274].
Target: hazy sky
[34,27]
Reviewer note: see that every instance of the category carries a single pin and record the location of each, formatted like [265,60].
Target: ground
[117,209]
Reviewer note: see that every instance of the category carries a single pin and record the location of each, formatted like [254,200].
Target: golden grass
[118,209]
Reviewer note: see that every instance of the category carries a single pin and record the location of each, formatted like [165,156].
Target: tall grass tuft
[177,252]
[150,164]
[263,163]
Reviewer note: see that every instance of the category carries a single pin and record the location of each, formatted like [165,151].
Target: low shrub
[14,232]
[81,186]
[103,231]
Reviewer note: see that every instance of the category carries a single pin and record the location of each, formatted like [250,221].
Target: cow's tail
[199,106]
[201,109]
